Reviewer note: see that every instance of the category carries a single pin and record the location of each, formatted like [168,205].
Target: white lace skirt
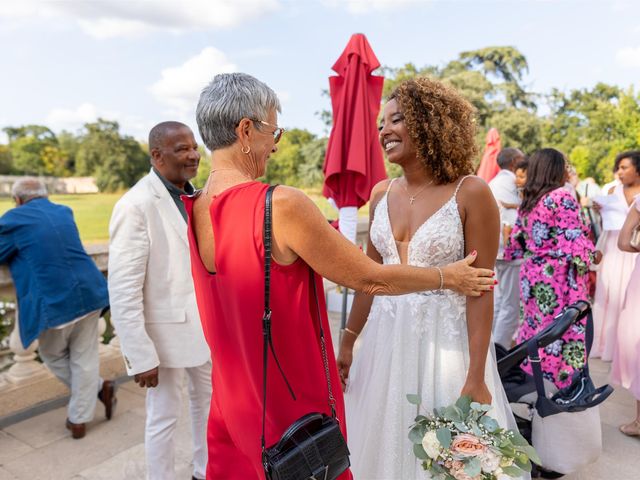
[413,343]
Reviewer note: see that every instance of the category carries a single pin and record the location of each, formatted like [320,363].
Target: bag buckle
[315,476]
[535,359]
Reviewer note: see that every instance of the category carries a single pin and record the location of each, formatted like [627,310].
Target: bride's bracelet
[441,277]
[348,330]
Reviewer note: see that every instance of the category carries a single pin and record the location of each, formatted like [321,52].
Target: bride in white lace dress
[436,344]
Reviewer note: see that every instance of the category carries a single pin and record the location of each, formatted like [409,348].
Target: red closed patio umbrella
[489,165]
[353,162]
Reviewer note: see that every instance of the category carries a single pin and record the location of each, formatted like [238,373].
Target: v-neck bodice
[439,240]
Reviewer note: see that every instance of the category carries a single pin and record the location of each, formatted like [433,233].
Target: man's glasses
[277,133]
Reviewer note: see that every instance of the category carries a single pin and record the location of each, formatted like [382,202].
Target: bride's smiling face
[394,137]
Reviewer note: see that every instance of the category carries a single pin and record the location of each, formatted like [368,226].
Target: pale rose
[457,470]
[467,445]
[489,461]
[431,444]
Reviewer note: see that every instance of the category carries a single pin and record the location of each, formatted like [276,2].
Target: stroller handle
[561,323]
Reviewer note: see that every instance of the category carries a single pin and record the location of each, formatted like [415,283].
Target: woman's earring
[247,151]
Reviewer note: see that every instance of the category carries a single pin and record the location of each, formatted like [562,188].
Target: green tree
[310,170]
[116,161]
[283,165]
[593,126]
[27,146]
[203,169]
[6,162]
[491,80]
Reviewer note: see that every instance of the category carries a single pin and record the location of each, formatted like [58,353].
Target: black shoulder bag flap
[313,446]
[581,394]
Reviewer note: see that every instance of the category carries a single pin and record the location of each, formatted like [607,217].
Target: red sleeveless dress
[231,303]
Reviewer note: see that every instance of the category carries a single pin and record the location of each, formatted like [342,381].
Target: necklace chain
[230,170]
[211,172]
[412,198]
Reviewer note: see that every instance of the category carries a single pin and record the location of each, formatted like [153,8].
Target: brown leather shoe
[108,397]
[78,430]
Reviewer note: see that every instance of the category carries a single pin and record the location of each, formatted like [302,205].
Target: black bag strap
[546,406]
[266,322]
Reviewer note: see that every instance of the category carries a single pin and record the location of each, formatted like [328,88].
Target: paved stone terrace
[40,447]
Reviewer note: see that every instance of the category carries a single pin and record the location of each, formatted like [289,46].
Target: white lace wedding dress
[414,343]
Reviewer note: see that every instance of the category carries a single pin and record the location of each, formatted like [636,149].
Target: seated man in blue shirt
[61,294]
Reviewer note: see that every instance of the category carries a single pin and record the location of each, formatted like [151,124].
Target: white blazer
[153,303]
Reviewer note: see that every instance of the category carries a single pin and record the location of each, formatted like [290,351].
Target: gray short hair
[229,98]
[28,188]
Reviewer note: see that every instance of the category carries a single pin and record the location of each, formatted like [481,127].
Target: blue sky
[140,62]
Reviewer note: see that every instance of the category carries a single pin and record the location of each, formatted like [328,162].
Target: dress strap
[389,186]
[455,194]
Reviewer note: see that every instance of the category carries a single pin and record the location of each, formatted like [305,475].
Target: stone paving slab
[40,448]
[4,475]
[11,448]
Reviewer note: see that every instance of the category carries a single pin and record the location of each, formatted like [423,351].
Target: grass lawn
[93,211]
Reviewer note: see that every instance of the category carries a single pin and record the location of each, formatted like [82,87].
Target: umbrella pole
[343,318]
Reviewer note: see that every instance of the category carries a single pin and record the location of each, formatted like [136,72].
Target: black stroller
[527,393]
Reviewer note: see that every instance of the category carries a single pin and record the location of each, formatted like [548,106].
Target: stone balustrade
[28,382]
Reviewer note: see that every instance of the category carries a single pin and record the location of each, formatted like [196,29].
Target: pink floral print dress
[554,241]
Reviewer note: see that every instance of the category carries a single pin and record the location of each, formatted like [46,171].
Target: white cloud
[73,119]
[628,57]
[108,18]
[367,6]
[69,119]
[179,87]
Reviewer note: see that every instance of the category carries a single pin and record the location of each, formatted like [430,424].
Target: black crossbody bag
[313,446]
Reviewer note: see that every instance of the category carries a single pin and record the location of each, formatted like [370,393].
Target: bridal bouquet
[461,442]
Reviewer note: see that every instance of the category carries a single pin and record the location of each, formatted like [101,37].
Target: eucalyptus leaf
[421,418]
[479,407]
[444,437]
[489,423]
[523,462]
[414,399]
[452,413]
[419,452]
[464,404]
[472,467]
[416,435]
[461,426]
[532,454]
[512,471]
[518,439]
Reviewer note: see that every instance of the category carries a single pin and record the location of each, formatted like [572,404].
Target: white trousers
[71,353]
[163,408]
[506,302]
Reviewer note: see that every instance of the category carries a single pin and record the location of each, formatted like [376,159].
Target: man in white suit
[153,305]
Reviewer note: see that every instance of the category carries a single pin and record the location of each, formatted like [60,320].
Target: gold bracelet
[441,278]
[348,330]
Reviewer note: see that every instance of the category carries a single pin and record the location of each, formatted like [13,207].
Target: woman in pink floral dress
[553,238]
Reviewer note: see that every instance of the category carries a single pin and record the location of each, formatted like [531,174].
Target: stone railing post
[25,368]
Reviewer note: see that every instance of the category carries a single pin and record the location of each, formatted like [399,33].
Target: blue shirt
[55,280]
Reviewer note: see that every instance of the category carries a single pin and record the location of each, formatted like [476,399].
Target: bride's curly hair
[442,126]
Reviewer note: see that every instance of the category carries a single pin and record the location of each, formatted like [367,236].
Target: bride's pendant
[411,200]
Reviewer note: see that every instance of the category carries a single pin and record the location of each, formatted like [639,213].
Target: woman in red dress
[237,118]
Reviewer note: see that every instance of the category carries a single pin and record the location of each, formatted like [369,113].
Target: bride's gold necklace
[412,198]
